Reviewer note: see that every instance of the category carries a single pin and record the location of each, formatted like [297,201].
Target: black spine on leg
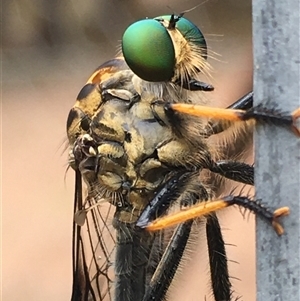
[236,171]
[264,115]
[163,199]
[172,256]
[244,103]
[159,285]
[221,285]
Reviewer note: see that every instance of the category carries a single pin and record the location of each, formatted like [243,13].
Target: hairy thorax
[126,147]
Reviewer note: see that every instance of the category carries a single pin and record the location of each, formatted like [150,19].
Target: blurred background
[49,49]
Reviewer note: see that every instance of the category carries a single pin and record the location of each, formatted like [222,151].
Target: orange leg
[258,114]
[207,207]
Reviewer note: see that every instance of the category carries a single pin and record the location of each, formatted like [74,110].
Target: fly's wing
[93,248]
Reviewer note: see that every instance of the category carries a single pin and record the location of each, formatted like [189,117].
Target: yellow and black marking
[91,97]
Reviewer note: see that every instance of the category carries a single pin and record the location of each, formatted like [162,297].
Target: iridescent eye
[190,32]
[149,51]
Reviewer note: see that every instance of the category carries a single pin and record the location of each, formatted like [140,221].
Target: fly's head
[167,49]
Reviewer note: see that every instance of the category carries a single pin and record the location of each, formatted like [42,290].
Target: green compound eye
[148,50]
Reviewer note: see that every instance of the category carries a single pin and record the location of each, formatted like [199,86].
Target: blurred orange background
[49,49]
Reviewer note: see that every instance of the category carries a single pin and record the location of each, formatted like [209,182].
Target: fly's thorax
[130,151]
[128,139]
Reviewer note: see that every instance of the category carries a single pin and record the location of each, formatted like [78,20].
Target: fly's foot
[282,211]
[296,122]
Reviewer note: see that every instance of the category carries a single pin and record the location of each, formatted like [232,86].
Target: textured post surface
[276,26]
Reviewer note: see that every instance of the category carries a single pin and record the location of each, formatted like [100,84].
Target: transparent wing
[93,248]
[100,250]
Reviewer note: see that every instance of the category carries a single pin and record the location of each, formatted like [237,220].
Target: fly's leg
[233,170]
[164,198]
[219,274]
[229,169]
[221,285]
[171,258]
[259,113]
[167,267]
[204,208]
[216,127]
[244,103]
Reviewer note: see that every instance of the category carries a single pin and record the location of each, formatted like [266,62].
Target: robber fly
[139,139]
